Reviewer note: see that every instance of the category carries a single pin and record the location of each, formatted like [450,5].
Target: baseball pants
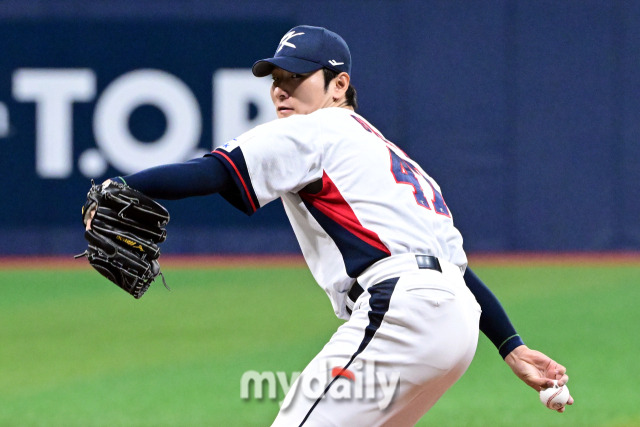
[412,334]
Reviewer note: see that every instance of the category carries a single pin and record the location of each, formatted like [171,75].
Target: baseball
[555,397]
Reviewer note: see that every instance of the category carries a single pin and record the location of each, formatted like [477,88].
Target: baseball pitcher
[377,235]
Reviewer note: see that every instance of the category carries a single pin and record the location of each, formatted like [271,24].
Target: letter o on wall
[146,87]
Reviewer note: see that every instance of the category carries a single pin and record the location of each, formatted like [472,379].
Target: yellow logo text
[134,245]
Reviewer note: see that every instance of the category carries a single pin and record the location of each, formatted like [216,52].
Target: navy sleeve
[197,177]
[494,322]
[243,196]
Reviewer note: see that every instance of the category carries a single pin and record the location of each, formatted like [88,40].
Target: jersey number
[406,173]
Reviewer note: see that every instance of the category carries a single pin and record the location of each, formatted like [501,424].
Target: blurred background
[526,112]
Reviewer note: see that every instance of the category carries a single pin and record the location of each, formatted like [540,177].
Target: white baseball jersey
[375,201]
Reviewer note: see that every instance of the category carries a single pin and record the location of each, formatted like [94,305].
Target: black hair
[351,95]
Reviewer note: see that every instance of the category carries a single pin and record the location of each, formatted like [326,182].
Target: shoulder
[276,129]
[301,127]
[332,113]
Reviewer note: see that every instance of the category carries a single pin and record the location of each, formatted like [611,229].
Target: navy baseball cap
[305,49]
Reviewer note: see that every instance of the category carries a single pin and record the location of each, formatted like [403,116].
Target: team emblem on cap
[285,40]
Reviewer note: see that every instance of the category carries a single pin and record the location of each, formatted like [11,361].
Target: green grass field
[77,351]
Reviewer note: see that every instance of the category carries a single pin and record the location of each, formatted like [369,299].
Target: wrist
[510,345]
[117,179]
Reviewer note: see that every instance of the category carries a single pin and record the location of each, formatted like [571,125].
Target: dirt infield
[553,258]
[67,262]
[176,261]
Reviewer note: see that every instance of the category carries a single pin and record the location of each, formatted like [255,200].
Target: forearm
[197,177]
[494,322]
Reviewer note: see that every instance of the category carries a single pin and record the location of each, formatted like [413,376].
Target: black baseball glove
[124,235]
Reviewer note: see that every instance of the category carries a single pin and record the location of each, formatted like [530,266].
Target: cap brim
[264,67]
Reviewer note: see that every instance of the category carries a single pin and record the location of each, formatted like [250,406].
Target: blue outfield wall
[526,113]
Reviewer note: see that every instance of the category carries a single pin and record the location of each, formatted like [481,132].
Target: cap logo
[335,63]
[285,40]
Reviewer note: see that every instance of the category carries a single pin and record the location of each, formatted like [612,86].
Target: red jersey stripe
[330,202]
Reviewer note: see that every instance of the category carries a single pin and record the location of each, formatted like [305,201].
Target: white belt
[393,266]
